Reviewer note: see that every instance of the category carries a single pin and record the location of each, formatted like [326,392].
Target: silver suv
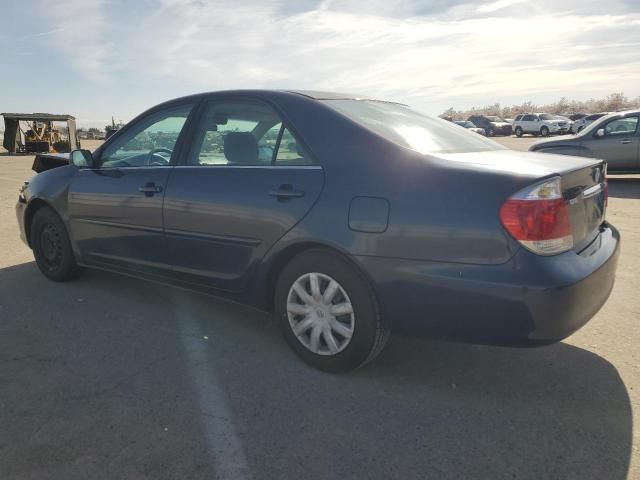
[539,124]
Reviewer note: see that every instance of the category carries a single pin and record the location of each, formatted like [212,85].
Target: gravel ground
[110,377]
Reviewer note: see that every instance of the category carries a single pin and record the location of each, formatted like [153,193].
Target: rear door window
[291,151]
[236,132]
[245,132]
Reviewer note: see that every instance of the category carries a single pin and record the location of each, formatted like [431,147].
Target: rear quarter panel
[437,210]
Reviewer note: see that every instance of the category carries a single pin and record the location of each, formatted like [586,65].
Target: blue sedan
[346,217]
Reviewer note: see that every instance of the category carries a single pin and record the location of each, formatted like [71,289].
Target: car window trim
[261,167]
[278,140]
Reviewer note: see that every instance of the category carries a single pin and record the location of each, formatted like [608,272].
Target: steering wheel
[160,160]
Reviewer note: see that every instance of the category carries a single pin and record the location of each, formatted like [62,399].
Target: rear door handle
[286,191]
[626,141]
[150,189]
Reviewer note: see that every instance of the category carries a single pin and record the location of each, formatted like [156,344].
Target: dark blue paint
[369,214]
[424,230]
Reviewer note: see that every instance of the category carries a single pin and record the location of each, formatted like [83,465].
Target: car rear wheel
[51,246]
[519,132]
[544,131]
[328,312]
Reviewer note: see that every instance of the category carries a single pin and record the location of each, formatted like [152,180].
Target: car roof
[266,93]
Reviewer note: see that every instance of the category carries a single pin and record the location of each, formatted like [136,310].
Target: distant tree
[612,102]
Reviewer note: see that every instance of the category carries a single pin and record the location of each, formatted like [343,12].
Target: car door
[619,145]
[529,124]
[115,208]
[245,182]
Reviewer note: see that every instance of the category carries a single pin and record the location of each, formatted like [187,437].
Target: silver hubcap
[320,313]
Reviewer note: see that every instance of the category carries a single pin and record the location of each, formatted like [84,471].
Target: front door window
[148,143]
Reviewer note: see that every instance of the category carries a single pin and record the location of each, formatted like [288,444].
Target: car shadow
[114,374]
[620,187]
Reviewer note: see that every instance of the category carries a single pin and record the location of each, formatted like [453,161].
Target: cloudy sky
[117,57]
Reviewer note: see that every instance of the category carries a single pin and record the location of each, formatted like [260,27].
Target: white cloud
[462,55]
[498,5]
[81,34]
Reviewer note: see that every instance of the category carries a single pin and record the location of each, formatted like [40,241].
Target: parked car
[491,124]
[447,235]
[613,138]
[509,120]
[470,126]
[576,116]
[583,122]
[539,124]
[568,121]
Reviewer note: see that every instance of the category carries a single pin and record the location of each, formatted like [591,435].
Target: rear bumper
[529,300]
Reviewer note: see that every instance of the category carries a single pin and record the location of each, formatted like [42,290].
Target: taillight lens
[538,218]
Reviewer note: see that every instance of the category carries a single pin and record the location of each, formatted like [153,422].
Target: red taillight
[538,218]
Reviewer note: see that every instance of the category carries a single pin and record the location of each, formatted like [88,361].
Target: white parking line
[225,449]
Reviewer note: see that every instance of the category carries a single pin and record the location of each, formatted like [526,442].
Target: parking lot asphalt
[110,377]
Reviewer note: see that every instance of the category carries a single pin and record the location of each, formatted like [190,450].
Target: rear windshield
[411,129]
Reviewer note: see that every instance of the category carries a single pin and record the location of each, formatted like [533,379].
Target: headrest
[241,148]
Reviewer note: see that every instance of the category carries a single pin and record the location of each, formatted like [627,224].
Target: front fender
[50,187]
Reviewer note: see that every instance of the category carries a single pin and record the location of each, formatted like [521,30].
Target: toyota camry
[346,217]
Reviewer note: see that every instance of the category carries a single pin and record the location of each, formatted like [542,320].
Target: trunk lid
[584,190]
[583,182]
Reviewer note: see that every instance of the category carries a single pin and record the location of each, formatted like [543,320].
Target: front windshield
[493,118]
[408,128]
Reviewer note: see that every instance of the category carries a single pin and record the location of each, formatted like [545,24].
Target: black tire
[51,246]
[519,132]
[369,331]
[544,131]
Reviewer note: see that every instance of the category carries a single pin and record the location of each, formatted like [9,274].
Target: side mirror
[82,159]
[600,133]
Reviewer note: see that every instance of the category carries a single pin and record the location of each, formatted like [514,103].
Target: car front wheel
[328,312]
[544,131]
[51,246]
[519,132]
